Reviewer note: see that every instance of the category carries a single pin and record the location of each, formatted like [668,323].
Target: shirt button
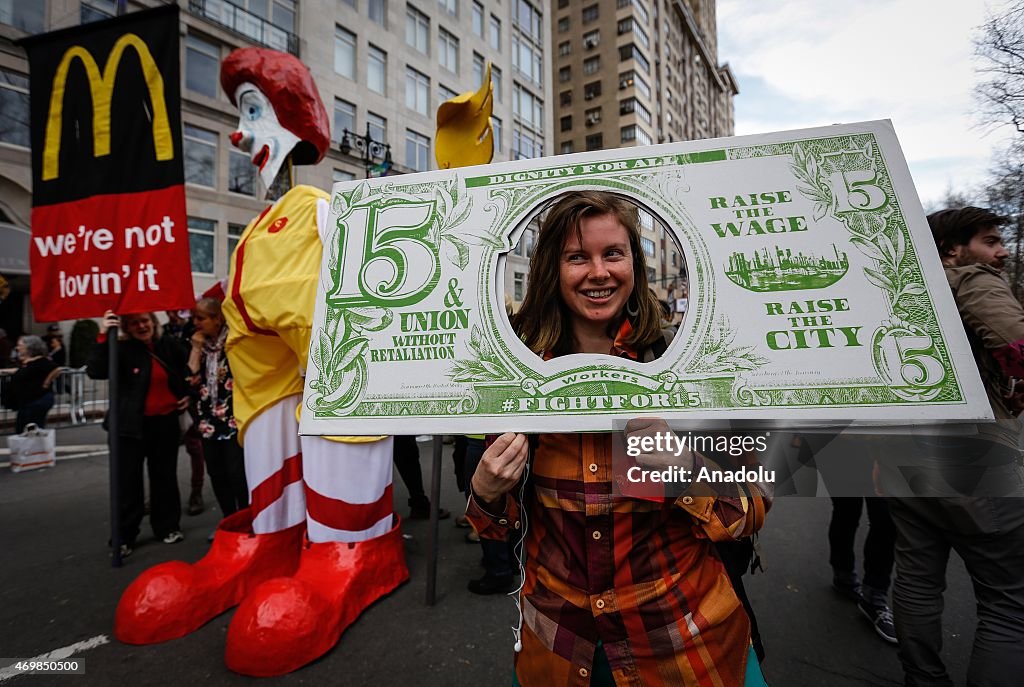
[596,535]
[518,524]
[687,500]
[503,521]
[599,603]
[584,672]
[593,467]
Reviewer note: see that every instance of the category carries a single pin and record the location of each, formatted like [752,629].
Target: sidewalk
[57,588]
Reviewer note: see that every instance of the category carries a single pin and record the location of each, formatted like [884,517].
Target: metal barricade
[77,400]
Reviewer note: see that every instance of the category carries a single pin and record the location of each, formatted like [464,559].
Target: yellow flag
[464,135]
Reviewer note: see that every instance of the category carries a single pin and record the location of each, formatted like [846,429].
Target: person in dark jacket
[151,390]
[29,390]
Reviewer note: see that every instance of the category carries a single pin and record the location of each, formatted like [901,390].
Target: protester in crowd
[151,391]
[6,350]
[55,345]
[960,489]
[497,556]
[179,324]
[406,457]
[613,586]
[29,391]
[846,464]
[211,379]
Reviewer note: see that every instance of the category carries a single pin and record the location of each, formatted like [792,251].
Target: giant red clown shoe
[320,541]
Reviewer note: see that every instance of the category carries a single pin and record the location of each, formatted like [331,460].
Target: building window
[417,90]
[592,90]
[629,25]
[27,16]
[478,19]
[631,52]
[241,174]
[417,29]
[378,127]
[448,50]
[200,244]
[592,65]
[633,105]
[496,78]
[529,19]
[593,116]
[496,126]
[639,6]
[200,156]
[635,133]
[563,24]
[449,6]
[444,94]
[234,236]
[591,39]
[562,4]
[564,74]
[478,70]
[340,175]
[595,142]
[528,60]
[14,109]
[646,220]
[564,48]
[528,107]
[519,281]
[376,69]
[90,11]
[344,52]
[630,79]
[566,147]
[565,98]
[495,33]
[526,145]
[590,13]
[417,149]
[202,66]
[377,10]
[648,246]
[344,117]
[566,123]
[350,3]
[652,275]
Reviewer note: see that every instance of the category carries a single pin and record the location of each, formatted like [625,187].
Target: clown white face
[260,133]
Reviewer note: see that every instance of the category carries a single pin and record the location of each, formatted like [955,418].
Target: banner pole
[435,505]
[113,427]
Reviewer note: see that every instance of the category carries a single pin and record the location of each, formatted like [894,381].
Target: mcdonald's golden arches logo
[101,87]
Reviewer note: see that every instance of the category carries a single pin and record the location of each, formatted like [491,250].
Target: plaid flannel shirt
[640,576]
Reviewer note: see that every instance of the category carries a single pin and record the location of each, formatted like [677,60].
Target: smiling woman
[590,251]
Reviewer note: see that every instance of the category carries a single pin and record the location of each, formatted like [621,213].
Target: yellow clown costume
[319,542]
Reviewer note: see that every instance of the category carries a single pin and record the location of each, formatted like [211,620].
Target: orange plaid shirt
[640,576]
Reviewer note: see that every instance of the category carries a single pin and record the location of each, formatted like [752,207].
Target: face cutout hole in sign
[580,265]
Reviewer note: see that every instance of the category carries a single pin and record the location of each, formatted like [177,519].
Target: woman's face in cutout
[208,323]
[596,275]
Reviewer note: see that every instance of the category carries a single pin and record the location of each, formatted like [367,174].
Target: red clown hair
[289,86]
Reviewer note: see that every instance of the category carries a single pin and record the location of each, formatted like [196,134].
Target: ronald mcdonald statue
[320,541]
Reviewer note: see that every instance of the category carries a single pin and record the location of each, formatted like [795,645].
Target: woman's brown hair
[543,322]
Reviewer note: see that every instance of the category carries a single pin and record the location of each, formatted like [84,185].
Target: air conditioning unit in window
[589,43]
[593,119]
[589,95]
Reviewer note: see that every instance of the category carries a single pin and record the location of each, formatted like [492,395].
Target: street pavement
[58,590]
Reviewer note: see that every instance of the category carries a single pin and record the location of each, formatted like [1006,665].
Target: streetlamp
[366,148]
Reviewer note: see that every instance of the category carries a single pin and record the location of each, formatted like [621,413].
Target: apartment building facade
[382,67]
[639,72]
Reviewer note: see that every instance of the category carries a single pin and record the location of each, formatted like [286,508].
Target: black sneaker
[881,618]
[490,584]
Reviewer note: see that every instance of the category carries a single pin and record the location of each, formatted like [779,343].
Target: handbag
[34,448]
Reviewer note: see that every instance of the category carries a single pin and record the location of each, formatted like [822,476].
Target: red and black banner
[109,229]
